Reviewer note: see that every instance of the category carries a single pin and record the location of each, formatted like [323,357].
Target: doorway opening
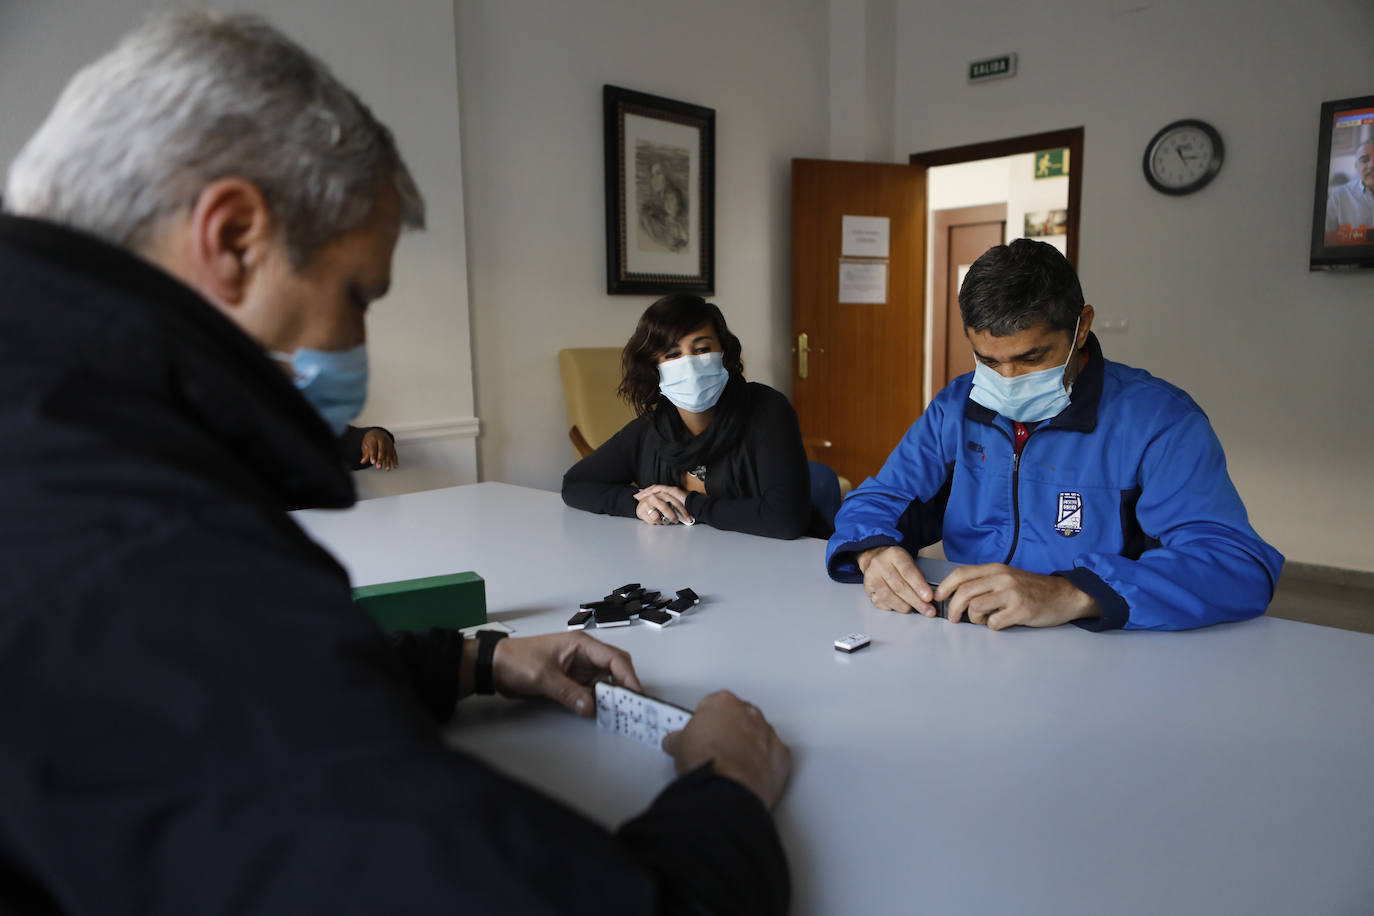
[987,194]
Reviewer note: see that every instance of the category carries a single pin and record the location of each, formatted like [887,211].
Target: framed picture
[660,194]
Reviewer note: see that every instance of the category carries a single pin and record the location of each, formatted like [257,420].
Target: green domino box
[453,601]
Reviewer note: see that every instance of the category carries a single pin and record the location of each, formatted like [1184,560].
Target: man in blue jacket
[1073,488]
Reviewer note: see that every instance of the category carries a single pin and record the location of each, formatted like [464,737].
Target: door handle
[801,349]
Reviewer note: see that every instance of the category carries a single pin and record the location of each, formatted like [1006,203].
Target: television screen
[1343,210]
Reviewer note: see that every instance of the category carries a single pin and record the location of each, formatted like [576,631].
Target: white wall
[1028,194]
[1215,285]
[967,184]
[400,58]
[862,78]
[530,78]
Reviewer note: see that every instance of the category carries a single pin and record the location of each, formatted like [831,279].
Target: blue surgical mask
[1024,398]
[333,381]
[693,383]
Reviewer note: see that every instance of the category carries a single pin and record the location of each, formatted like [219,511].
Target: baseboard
[1328,575]
[461,428]
[432,455]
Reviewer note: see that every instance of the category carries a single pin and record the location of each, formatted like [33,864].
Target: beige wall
[530,75]
[1215,285]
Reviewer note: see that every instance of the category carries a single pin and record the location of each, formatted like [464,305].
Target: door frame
[1071,137]
[943,221]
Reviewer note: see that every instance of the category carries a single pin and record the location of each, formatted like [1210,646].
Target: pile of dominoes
[631,602]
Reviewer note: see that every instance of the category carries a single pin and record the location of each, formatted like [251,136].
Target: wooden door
[960,235]
[865,364]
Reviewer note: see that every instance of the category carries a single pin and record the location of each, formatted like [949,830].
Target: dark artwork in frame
[660,194]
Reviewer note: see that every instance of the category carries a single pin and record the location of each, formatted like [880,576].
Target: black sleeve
[238,743]
[604,481]
[782,507]
[431,662]
[713,846]
[351,446]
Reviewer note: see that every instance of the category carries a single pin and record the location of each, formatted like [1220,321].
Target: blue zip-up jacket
[1125,494]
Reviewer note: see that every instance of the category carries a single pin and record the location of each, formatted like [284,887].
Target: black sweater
[760,486]
[196,719]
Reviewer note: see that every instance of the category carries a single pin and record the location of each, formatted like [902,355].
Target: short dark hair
[660,328]
[1014,287]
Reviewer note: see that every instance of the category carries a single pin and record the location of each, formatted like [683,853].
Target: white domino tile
[634,715]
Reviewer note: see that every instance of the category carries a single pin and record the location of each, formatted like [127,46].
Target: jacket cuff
[432,659]
[1115,611]
[713,847]
[843,565]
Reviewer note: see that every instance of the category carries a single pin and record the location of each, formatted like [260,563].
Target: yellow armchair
[591,376]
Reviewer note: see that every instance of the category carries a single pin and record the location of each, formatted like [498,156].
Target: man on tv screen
[1350,206]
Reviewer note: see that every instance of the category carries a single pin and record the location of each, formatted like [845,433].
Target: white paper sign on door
[864,236]
[863,282]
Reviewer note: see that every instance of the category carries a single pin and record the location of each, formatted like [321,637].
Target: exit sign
[994,68]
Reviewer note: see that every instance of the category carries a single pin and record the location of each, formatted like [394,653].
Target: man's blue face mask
[1025,398]
[333,381]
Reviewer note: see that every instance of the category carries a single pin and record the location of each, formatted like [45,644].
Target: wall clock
[1183,157]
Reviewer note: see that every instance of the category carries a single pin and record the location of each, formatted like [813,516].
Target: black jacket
[760,485]
[195,719]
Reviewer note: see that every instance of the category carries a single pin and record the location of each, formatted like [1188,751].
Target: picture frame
[1341,238]
[660,194]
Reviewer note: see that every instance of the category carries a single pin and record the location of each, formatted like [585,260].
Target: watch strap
[486,651]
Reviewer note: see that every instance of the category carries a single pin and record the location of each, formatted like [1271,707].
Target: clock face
[1183,157]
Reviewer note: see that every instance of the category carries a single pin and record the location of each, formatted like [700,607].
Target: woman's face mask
[693,383]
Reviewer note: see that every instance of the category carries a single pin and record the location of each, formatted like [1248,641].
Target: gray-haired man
[196,720]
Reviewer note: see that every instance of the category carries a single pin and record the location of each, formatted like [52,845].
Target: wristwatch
[486,650]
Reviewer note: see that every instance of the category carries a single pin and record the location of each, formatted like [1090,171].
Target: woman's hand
[663,505]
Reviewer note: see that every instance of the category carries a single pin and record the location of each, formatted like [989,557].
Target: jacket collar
[1081,414]
[134,328]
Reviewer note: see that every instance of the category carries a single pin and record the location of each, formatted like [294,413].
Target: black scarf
[679,451]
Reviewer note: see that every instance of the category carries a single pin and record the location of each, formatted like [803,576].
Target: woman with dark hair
[706,446]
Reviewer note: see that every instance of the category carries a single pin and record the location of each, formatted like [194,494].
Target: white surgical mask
[1024,398]
[693,383]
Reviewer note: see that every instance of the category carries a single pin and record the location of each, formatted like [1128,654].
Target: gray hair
[191,97]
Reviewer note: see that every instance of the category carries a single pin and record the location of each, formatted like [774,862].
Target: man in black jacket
[195,718]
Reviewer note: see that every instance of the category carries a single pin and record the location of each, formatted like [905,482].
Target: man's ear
[231,231]
[1085,324]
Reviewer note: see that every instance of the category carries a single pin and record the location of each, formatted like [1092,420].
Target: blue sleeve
[1209,565]
[905,503]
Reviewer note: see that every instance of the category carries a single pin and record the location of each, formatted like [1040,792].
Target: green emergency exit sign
[994,68]
[1051,163]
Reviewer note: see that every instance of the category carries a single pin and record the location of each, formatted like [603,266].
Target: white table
[947,768]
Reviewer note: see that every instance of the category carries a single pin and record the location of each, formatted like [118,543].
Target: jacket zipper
[1015,494]
[1015,490]
[1015,506]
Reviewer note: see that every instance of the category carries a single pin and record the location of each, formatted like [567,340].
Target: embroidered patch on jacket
[1070,514]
